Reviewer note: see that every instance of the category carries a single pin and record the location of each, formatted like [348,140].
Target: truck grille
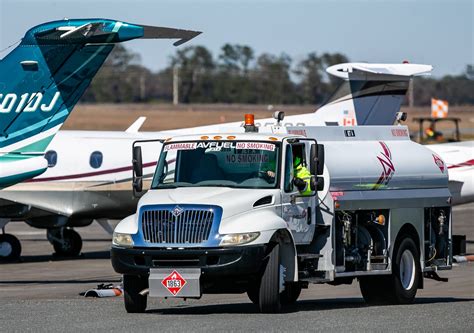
[166,226]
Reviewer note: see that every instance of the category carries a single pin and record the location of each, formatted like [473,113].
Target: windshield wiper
[166,186]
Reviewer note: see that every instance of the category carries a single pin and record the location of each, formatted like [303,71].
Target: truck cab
[268,213]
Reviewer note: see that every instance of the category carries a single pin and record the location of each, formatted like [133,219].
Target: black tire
[252,293]
[374,289]
[10,248]
[394,288]
[405,282]
[132,285]
[70,246]
[291,293]
[269,287]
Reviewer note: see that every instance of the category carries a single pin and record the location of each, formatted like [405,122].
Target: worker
[302,178]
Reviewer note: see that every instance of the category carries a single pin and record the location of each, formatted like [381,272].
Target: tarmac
[41,293]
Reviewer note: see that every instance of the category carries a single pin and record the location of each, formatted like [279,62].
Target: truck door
[298,209]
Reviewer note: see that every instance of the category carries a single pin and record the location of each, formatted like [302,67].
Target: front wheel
[269,289]
[69,245]
[132,286]
[291,293]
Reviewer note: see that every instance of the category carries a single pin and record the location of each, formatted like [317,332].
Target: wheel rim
[66,245]
[407,270]
[5,249]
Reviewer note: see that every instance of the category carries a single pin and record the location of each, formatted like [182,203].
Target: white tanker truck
[225,213]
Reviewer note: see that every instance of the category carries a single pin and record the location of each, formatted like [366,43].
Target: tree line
[238,75]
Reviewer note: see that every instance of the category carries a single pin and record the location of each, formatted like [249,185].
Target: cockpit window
[52,157]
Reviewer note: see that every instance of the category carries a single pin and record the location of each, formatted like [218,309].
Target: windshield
[240,164]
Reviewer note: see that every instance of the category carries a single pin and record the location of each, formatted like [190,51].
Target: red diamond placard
[174,282]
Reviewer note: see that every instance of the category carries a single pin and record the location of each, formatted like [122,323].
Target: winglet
[135,127]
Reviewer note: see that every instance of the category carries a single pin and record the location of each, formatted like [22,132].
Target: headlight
[237,239]
[122,239]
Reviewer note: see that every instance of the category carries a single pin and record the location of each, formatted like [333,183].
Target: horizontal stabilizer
[100,31]
[363,71]
[371,94]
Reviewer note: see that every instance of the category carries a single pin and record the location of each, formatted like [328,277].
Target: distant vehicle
[41,81]
[268,213]
[429,134]
[93,181]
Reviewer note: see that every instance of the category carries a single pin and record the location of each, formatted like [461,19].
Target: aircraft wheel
[70,244]
[10,248]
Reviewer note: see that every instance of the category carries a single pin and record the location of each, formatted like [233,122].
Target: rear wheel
[10,248]
[401,286]
[132,286]
[406,273]
[374,289]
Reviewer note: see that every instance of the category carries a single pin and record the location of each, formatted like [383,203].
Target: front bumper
[225,269]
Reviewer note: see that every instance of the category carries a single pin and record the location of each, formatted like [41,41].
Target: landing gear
[66,242]
[10,248]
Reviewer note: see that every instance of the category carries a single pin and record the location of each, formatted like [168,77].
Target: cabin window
[96,159]
[52,157]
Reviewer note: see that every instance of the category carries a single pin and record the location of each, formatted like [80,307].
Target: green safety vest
[303,173]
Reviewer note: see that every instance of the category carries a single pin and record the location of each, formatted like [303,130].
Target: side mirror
[137,164]
[137,186]
[316,163]
[137,161]
[320,160]
[319,183]
[313,159]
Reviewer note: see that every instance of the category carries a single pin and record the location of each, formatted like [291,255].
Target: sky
[436,32]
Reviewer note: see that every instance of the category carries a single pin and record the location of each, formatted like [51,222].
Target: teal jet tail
[44,77]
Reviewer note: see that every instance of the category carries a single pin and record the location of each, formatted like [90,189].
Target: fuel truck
[228,213]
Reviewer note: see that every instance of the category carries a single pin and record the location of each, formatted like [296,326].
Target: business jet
[41,80]
[459,159]
[93,181]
